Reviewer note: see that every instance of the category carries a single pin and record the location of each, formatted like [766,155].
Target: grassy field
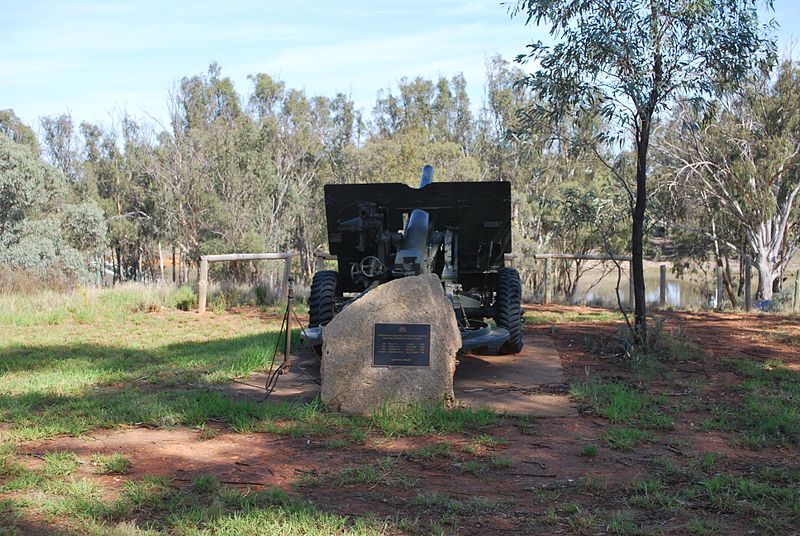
[73,364]
[700,436]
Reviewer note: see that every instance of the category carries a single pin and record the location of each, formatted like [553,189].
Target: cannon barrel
[415,235]
[427,176]
[412,257]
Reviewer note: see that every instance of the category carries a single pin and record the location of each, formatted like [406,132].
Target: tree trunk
[119,264]
[161,262]
[767,274]
[637,235]
[727,283]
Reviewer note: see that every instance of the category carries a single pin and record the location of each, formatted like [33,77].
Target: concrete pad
[527,384]
[515,384]
[537,364]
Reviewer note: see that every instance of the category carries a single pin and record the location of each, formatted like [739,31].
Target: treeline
[244,173]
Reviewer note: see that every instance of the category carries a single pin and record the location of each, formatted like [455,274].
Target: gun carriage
[460,231]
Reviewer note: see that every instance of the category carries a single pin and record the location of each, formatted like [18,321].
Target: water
[693,291]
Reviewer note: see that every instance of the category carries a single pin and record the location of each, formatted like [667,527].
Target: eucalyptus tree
[630,59]
[746,157]
[41,229]
[17,131]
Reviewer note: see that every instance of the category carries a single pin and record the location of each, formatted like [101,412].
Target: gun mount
[460,231]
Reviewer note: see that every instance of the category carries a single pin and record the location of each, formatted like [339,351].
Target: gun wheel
[508,308]
[321,303]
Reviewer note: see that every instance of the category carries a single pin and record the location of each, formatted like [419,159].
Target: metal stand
[287,348]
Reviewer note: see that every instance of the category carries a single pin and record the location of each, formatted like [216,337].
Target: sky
[93,59]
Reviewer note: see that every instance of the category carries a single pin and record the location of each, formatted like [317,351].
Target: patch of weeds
[395,420]
[77,499]
[473,467]
[447,503]
[676,473]
[469,448]
[436,451]
[677,346]
[653,494]
[582,522]
[592,484]
[490,442]
[570,507]
[550,516]
[359,435]
[621,524]
[770,412]
[60,464]
[627,438]
[502,461]
[150,493]
[358,474]
[589,451]
[525,425]
[621,404]
[336,443]
[746,497]
[205,484]
[545,494]
[701,526]
[384,472]
[554,317]
[207,431]
[111,464]
[779,474]
[184,298]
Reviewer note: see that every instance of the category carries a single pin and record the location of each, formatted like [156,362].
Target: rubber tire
[508,308]
[321,303]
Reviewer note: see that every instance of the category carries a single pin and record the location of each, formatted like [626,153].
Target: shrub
[184,298]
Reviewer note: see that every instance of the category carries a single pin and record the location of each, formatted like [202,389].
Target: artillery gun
[460,231]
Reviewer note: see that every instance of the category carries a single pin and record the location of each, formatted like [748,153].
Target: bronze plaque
[401,345]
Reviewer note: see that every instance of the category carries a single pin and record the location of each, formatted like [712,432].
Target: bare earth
[546,449]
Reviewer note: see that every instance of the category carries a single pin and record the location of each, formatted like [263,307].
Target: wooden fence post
[631,297]
[202,285]
[662,289]
[747,280]
[796,304]
[548,265]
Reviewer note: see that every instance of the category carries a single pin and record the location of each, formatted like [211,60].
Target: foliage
[627,60]
[40,230]
[744,156]
[184,298]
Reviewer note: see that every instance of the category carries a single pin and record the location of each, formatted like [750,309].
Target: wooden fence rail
[202,284]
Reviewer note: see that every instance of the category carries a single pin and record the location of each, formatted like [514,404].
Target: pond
[693,291]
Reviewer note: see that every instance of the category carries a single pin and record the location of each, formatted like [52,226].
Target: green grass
[422,420]
[489,441]
[447,503]
[589,451]
[385,472]
[123,367]
[639,413]
[203,507]
[769,412]
[436,451]
[627,439]
[60,464]
[111,464]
